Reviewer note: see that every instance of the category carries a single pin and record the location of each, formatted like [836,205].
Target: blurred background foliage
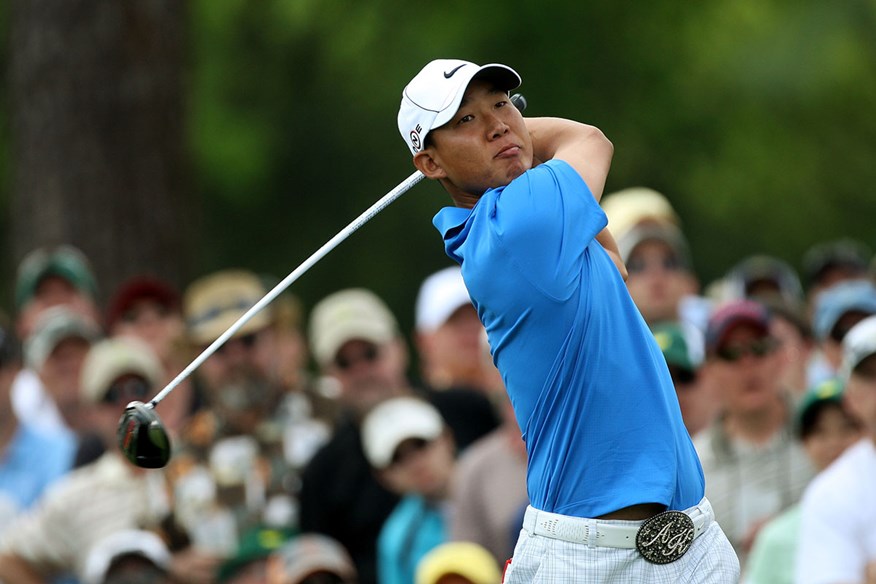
[754,117]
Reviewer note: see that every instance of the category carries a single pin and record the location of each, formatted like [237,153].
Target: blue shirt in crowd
[412,530]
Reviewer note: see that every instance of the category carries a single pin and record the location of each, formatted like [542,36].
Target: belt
[613,533]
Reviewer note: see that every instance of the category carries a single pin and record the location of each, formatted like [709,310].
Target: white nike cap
[432,97]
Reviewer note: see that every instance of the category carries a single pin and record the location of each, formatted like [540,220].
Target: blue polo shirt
[589,385]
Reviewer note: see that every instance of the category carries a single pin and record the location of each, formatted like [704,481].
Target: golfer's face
[486,144]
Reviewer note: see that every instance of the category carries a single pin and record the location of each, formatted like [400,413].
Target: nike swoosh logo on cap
[449,74]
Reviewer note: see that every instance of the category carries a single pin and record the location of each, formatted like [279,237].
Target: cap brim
[504,77]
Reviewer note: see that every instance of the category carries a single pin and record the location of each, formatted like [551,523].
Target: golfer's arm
[588,151]
[584,147]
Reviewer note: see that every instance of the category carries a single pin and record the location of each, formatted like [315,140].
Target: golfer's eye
[502,103]
[465,119]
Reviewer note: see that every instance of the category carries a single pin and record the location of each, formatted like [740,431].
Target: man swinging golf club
[615,485]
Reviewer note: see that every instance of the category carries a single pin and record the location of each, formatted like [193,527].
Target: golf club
[142,436]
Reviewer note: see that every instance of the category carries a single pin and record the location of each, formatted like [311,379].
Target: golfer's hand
[871,573]
[194,566]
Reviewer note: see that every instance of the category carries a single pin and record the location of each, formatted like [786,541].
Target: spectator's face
[422,467]
[746,370]
[249,355]
[860,394]
[832,432]
[60,375]
[657,281]
[368,372]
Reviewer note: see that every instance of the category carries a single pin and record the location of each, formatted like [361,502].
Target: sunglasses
[246,341]
[682,376]
[368,354]
[127,390]
[639,265]
[759,348]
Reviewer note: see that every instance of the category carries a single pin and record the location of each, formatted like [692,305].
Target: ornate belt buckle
[665,537]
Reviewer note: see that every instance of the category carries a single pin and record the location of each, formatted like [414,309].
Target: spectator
[825,429]
[660,276]
[311,558]
[247,422]
[448,333]
[98,499]
[761,277]
[754,468]
[458,562]
[355,340]
[132,556]
[54,276]
[682,348]
[831,262]
[54,352]
[412,451]
[838,511]
[30,460]
[664,286]
[636,206]
[837,310]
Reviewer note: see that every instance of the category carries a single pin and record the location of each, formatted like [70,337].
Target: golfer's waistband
[603,532]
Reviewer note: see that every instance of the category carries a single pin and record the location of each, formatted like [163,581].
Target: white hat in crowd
[858,344]
[395,420]
[114,357]
[132,542]
[441,294]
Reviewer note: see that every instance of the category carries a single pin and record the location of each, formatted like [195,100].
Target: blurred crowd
[327,445]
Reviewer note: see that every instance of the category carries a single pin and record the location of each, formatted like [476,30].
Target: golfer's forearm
[584,147]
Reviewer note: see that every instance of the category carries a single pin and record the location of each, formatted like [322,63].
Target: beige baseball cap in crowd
[355,313]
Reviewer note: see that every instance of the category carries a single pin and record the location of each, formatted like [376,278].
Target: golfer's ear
[426,164]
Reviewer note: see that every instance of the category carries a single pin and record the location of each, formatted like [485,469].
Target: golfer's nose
[496,127]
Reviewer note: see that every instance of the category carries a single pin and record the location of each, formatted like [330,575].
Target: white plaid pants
[545,560]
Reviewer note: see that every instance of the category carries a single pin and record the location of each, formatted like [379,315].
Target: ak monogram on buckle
[665,537]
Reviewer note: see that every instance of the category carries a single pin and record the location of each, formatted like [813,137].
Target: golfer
[615,485]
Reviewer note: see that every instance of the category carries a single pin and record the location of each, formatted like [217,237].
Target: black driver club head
[142,436]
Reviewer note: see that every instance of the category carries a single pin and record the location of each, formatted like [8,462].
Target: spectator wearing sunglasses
[753,465]
[98,499]
[660,276]
[356,342]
